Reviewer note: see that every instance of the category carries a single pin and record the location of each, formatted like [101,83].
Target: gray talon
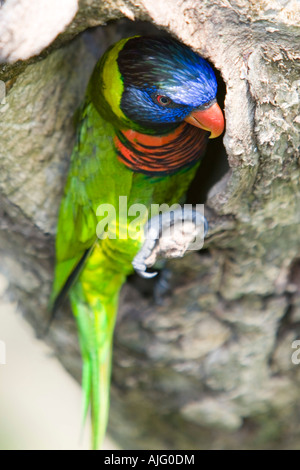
[147,275]
[156,241]
[139,263]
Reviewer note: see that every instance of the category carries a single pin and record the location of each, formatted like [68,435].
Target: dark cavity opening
[214,164]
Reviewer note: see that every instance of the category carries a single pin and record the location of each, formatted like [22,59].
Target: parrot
[142,128]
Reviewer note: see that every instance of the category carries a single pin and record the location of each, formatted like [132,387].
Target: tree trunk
[212,366]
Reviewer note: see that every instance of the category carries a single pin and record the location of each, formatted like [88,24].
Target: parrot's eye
[163,100]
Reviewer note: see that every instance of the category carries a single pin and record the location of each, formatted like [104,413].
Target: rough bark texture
[211,367]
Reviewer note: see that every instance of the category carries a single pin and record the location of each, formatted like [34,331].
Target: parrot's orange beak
[210,119]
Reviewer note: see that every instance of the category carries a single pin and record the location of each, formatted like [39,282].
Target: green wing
[95,177]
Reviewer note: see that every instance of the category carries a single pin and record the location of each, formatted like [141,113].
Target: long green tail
[95,314]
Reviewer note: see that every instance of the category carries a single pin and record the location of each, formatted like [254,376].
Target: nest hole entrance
[214,164]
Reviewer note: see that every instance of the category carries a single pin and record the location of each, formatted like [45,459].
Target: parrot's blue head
[164,81]
[157,82]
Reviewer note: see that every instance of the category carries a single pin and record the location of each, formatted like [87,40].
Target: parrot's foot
[169,235]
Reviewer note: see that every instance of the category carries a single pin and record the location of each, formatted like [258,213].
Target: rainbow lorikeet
[149,108]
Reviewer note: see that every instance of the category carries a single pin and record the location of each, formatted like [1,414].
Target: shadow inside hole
[99,38]
[214,164]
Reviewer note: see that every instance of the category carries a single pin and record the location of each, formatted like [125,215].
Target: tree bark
[212,366]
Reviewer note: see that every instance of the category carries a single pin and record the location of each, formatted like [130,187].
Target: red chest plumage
[161,155]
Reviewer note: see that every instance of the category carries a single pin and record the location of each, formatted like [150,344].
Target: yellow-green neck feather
[112,81]
[106,87]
